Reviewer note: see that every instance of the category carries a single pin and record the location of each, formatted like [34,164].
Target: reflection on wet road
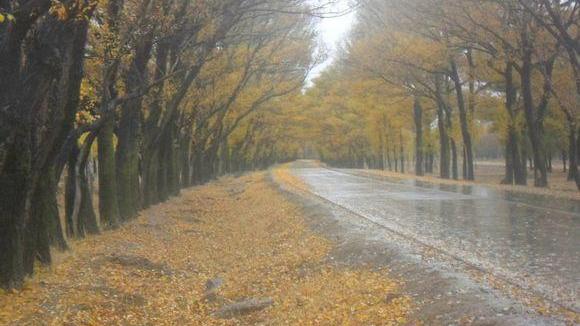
[526,240]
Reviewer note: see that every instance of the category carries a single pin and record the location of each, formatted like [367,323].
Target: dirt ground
[189,260]
[490,173]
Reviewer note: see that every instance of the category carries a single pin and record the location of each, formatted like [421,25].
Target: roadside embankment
[232,252]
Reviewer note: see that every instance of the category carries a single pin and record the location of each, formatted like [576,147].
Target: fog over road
[528,240]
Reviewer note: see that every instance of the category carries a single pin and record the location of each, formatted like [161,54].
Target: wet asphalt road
[532,241]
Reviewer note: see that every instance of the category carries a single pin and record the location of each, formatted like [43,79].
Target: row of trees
[151,96]
[422,79]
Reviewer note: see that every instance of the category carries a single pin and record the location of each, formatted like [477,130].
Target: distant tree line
[418,79]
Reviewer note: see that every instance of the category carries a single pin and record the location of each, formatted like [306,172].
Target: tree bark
[151,149]
[87,220]
[463,119]
[444,161]
[37,239]
[515,169]
[186,160]
[108,204]
[454,160]
[150,178]
[534,124]
[108,200]
[418,118]
[13,190]
[38,88]
[572,152]
[129,134]
[46,207]
[577,153]
[401,151]
[70,191]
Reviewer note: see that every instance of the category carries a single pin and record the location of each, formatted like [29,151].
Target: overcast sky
[332,32]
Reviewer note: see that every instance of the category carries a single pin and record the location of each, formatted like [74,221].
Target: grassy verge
[241,232]
[504,188]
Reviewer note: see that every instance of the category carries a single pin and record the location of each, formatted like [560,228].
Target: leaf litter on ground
[241,233]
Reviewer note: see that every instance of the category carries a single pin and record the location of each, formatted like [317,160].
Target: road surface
[531,241]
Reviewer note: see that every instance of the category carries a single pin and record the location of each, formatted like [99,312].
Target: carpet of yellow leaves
[153,270]
[282,175]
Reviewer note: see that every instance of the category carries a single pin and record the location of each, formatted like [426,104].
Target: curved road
[530,241]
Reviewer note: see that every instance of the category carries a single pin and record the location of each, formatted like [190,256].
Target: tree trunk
[418,118]
[197,162]
[162,172]
[382,156]
[471,101]
[108,204]
[70,191]
[577,174]
[388,154]
[186,161]
[444,162]
[464,161]
[127,162]
[454,160]
[572,152]
[175,183]
[150,178]
[520,172]
[515,172]
[13,190]
[46,206]
[37,243]
[508,178]
[169,163]
[151,149]
[534,121]
[87,218]
[38,98]
[402,151]
[42,214]
[429,160]
[108,200]
[564,161]
[127,159]
[463,120]
[395,158]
